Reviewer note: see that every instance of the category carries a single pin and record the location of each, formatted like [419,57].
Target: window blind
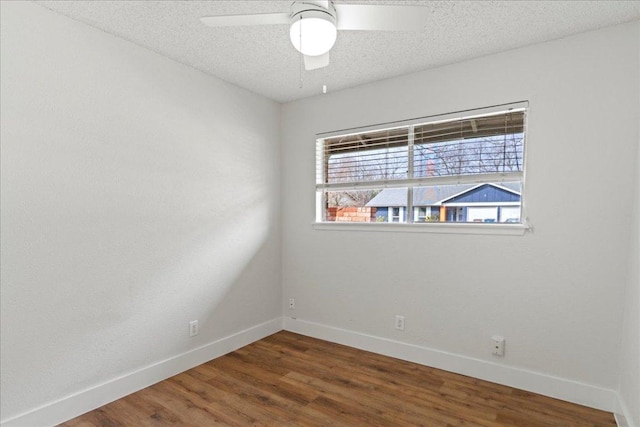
[469,149]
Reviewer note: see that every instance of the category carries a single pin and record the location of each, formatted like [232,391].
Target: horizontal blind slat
[425,182]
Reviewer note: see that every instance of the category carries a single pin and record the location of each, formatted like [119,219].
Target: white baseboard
[89,399]
[559,388]
[623,415]
[621,420]
[77,404]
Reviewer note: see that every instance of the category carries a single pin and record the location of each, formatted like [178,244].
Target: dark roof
[431,195]
[484,193]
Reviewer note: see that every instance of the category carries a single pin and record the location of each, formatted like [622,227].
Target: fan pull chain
[301,82]
[324,78]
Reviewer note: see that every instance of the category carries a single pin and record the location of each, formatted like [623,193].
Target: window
[462,168]
[396,214]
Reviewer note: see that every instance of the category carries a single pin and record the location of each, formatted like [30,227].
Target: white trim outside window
[395,214]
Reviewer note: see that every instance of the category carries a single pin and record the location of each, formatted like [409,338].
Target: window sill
[446,228]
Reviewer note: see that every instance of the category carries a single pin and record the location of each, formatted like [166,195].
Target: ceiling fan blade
[321,3]
[240,20]
[380,17]
[315,62]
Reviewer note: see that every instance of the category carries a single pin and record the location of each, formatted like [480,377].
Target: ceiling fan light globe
[317,38]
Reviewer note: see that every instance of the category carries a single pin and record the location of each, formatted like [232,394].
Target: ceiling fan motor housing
[313,28]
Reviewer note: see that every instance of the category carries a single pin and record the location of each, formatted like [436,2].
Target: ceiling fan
[313,25]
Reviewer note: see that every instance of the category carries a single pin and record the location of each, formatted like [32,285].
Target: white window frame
[409,224]
[400,215]
[416,213]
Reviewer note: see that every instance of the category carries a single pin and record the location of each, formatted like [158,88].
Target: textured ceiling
[263,60]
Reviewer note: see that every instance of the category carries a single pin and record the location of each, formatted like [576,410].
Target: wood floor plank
[291,380]
[138,411]
[227,398]
[265,379]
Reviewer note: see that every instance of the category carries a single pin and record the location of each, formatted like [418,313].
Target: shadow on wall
[104,268]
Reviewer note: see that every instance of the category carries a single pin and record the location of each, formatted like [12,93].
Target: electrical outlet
[498,345]
[399,322]
[193,328]
[292,304]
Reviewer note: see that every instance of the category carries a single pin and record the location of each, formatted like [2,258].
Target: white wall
[630,352]
[137,194]
[124,217]
[556,294]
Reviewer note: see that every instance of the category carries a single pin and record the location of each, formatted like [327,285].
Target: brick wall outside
[351,214]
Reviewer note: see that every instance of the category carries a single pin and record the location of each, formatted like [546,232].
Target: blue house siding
[485,194]
[463,197]
[382,213]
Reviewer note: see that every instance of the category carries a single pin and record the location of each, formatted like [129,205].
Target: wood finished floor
[292,380]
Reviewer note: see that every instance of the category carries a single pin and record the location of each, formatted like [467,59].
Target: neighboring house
[451,203]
